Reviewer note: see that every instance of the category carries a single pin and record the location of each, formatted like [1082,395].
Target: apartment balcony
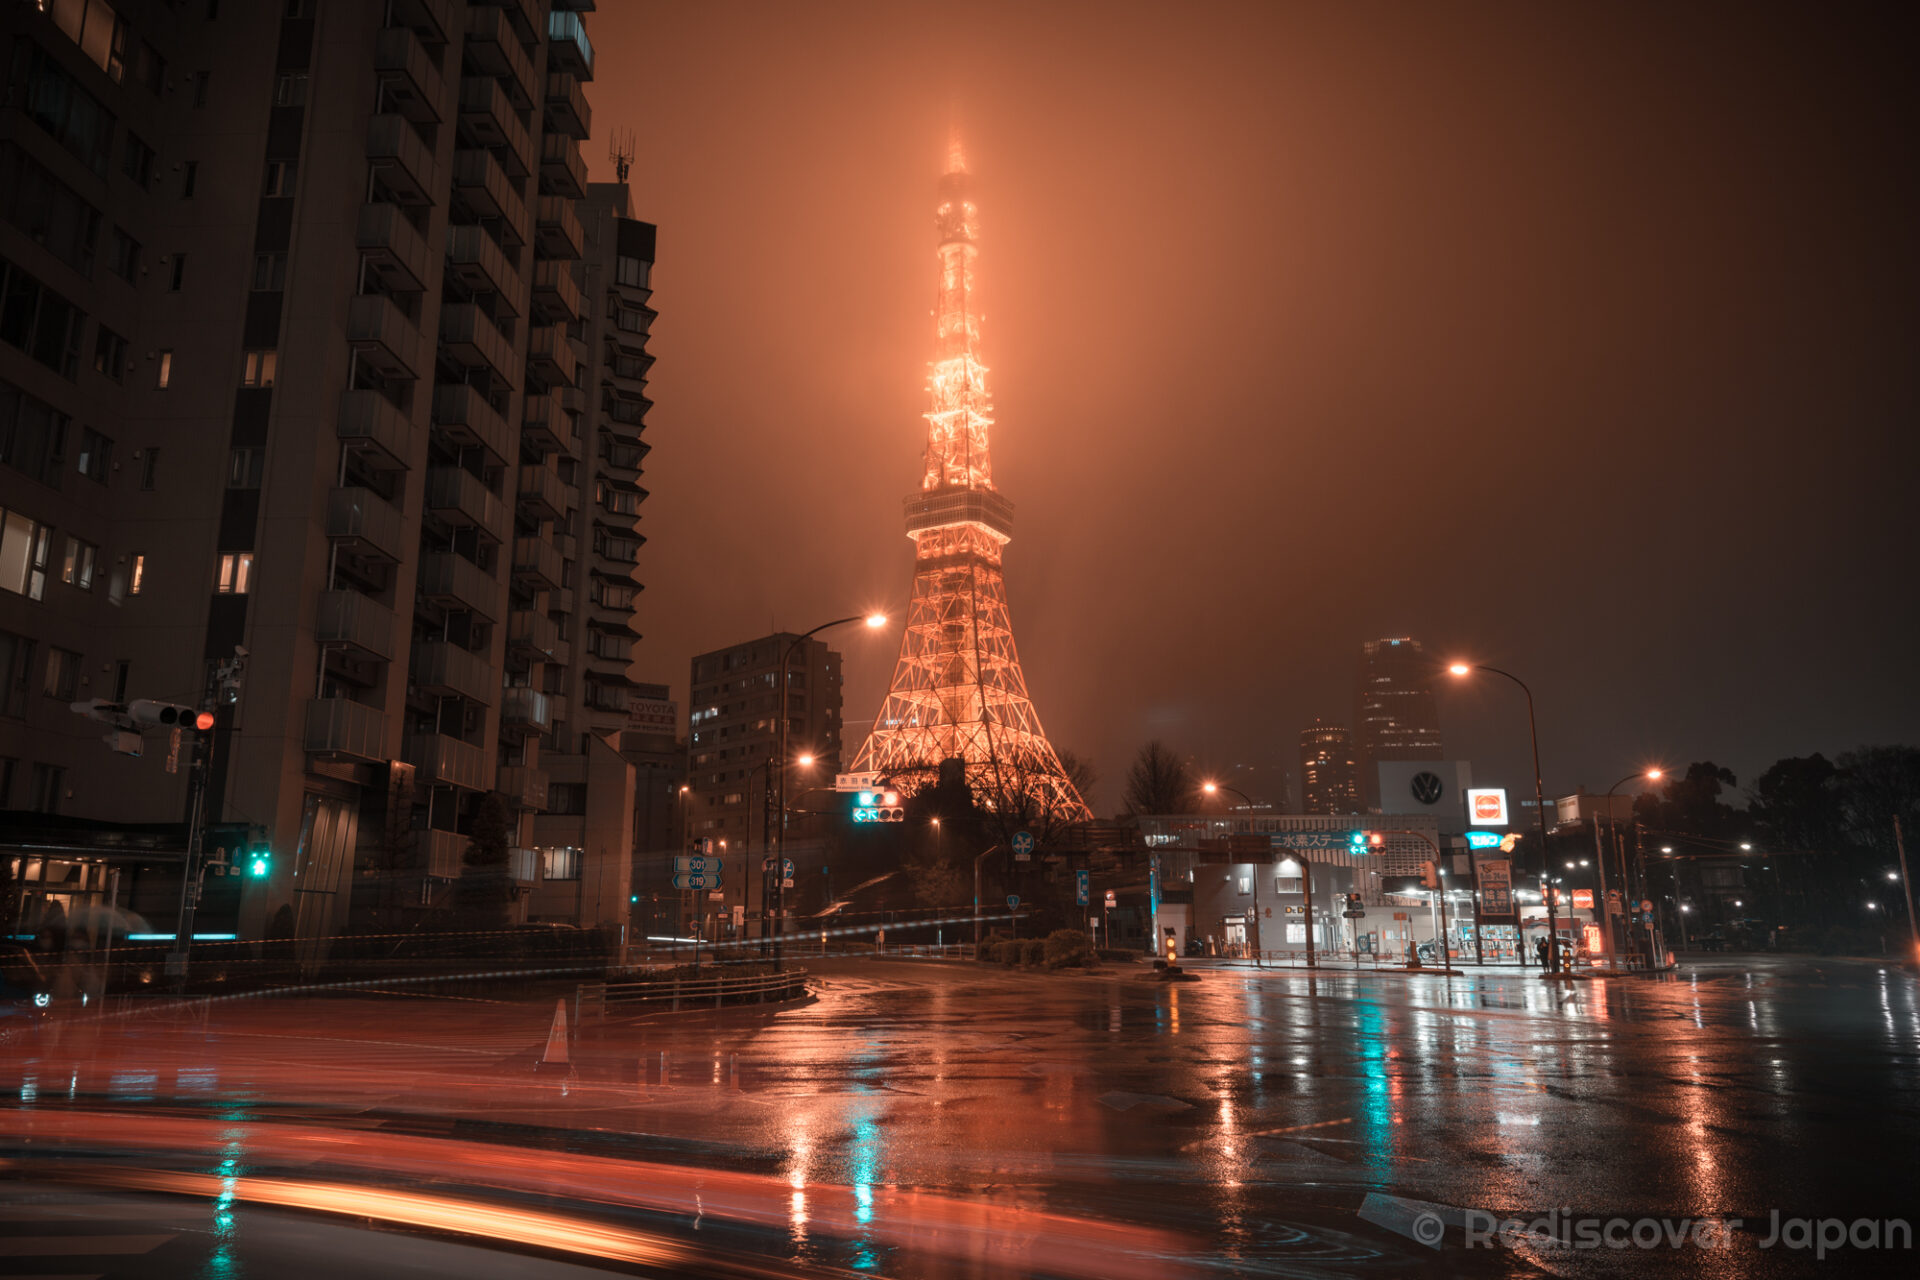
[477,262]
[524,786]
[363,520]
[533,636]
[443,668]
[621,455]
[561,601]
[495,49]
[385,338]
[537,563]
[543,495]
[452,581]
[357,621]
[567,108]
[464,415]
[448,761]
[378,431]
[458,497]
[471,339]
[484,185]
[487,114]
[443,853]
[562,171]
[392,247]
[404,163]
[550,356]
[556,230]
[524,15]
[556,294]
[525,709]
[432,19]
[544,424]
[411,75]
[524,865]
[340,728]
[568,48]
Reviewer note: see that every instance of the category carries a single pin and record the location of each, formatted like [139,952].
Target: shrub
[1033,951]
[1068,949]
[1124,955]
[990,947]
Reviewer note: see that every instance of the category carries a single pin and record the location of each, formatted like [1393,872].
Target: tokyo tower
[958,690]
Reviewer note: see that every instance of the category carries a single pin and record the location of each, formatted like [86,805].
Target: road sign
[1082,892]
[683,864]
[739,915]
[1022,843]
[1646,904]
[1583,898]
[1496,887]
[1484,839]
[718,895]
[1353,915]
[855,781]
[787,883]
[786,868]
[1013,901]
[1111,900]
[710,880]
[1613,902]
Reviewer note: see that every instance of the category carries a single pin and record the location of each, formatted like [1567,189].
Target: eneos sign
[1487,806]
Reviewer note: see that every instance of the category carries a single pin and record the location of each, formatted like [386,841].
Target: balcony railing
[555,292]
[568,48]
[524,786]
[452,581]
[532,635]
[557,228]
[470,337]
[431,18]
[488,114]
[545,425]
[522,708]
[461,499]
[392,246]
[550,355]
[444,853]
[359,621]
[384,337]
[449,761]
[562,171]
[441,667]
[380,431]
[484,185]
[543,495]
[494,48]
[410,74]
[525,864]
[364,520]
[567,108]
[465,416]
[342,727]
[478,262]
[536,561]
[404,164]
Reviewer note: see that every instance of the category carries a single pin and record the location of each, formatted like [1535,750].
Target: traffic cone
[555,1059]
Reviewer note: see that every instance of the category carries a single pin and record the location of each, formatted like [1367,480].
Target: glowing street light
[805,762]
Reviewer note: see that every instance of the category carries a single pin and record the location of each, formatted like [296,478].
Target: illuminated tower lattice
[958,689]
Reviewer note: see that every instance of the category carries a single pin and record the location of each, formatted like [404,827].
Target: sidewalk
[1328,965]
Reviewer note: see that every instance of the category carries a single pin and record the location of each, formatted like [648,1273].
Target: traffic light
[259,859]
[128,719]
[169,715]
[878,806]
[1356,842]
[1376,843]
[1428,876]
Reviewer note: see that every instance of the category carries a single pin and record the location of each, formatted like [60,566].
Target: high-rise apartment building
[733,732]
[1394,714]
[1330,775]
[310,346]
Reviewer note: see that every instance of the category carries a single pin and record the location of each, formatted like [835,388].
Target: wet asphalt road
[1260,1123]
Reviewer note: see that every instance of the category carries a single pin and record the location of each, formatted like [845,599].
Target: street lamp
[1539,797]
[874,621]
[1215,788]
[1620,855]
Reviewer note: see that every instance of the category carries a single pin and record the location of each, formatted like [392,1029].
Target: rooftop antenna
[620,151]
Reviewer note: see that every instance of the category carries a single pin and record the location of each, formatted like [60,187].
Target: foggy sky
[1579,340]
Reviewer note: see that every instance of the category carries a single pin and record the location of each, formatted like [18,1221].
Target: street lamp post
[1214,788]
[1539,804]
[1652,775]
[780,708]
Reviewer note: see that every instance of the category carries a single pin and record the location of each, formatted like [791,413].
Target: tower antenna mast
[620,151]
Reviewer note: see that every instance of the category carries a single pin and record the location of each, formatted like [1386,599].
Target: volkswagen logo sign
[1427,787]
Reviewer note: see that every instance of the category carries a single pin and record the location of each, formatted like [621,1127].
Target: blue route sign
[1023,842]
[1082,887]
[683,863]
[693,881]
[1013,901]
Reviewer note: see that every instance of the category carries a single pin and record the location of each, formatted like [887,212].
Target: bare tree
[1158,782]
[1080,772]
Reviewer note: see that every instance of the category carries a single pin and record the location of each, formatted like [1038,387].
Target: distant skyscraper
[1330,775]
[1394,715]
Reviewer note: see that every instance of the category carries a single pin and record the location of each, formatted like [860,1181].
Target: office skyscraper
[1330,774]
[1394,714]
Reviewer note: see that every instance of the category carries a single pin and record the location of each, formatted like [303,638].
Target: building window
[77,569]
[50,212]
[137,578]
[56,102]
[63,674]
[136,161]
[179,276]
[259,369]
[631,320]
[150,69]
[566,797]
[121,670]
[166,370]
[16,662]
[560,862]
[7,766]
[33,435]
[290,90]
[244,467]
[48,782]
[189,178]
[96,456]
[200,81]
[109,354]
[280,176]
[149,467]
[236,573]
[39,321]
[630,272]
[269,272]
[123,255]
[25,547]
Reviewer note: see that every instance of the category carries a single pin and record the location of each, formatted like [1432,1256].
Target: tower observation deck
[957,689]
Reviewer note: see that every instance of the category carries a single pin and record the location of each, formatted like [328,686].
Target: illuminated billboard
[1487,806]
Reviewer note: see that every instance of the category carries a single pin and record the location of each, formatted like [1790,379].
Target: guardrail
[598,998]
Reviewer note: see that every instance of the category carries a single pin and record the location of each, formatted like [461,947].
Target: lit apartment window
[77,569]
[137,578]
[259,370]
[236,573]
[166,370]
[560,862]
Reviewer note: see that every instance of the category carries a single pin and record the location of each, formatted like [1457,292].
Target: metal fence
[595,999]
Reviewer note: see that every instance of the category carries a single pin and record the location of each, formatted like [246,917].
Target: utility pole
[222,687]
[1906,886]
[1306,888]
